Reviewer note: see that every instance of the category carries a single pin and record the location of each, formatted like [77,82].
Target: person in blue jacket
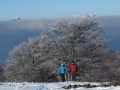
[62,70]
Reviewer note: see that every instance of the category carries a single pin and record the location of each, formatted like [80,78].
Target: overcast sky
[50,9]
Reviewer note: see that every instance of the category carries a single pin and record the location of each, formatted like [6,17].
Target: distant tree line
[80,41]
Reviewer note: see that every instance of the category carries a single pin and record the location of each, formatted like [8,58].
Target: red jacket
[73,68]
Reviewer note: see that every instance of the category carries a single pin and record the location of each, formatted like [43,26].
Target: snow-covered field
[51,86]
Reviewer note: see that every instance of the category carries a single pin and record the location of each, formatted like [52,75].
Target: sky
[51,9]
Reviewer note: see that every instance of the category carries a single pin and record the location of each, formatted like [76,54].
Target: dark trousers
[62,77]
[73,76]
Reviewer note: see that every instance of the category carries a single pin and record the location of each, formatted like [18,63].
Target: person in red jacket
[73,70]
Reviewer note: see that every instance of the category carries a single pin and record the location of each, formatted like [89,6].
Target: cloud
[80,16]
[111,25]
[12,33]
[25,25]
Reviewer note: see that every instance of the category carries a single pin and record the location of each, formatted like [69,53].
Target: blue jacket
[62,70]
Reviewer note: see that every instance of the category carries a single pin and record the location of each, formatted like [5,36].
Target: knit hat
[62,64]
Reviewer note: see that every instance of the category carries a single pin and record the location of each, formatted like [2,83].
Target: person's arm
[76,68]
[66,70]
[59,70]
[70,68]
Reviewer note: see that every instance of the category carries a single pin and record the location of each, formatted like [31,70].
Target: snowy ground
[51,86]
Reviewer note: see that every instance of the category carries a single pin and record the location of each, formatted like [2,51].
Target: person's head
[72,62]
[62,64]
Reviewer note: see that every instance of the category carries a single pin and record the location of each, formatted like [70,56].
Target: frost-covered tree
[67,41]
[76,40]
[26,62]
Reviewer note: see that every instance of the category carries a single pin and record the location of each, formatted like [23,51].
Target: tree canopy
[67,41]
